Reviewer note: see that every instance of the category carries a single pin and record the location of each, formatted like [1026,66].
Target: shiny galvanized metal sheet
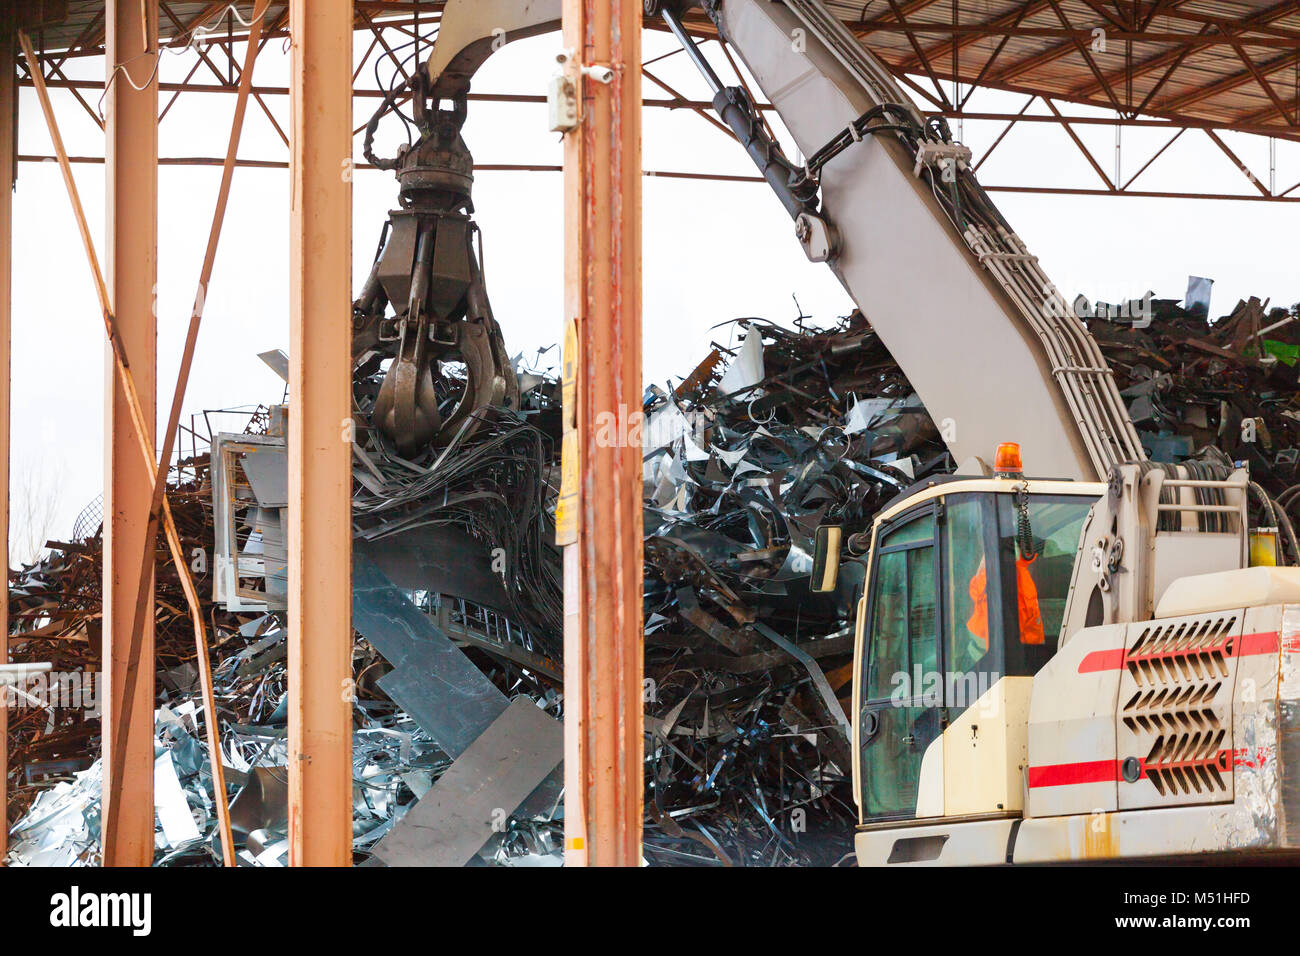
[473,799]
[446,695]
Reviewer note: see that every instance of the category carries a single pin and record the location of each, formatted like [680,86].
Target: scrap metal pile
[55,617]
[394,764]
[490,483]
[747,758]
[1231,383]
[820,426]
[748,673]
[55,732]
[55,724]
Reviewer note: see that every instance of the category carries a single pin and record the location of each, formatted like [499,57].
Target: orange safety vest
[1031,620]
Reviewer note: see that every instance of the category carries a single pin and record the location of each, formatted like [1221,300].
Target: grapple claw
[428,269]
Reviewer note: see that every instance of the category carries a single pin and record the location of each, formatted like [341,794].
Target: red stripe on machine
[1065,774]
[1265,642]
[1111,660]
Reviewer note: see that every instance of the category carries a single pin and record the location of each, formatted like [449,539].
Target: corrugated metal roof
[1232,63]
[1203,59]
[82,28]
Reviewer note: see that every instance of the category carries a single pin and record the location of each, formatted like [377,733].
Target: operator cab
[967,582]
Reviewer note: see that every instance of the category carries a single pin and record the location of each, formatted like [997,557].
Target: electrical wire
[198,38]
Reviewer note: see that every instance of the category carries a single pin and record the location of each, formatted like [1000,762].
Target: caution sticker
[566,509]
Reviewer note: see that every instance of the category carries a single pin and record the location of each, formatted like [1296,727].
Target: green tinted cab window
[915,531]
[1055,523]
[904,645]
[966,580]
[889,623]
[904,606]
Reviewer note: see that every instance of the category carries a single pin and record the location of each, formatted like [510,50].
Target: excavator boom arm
[888,201]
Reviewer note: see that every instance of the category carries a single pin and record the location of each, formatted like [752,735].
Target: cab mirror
[826,558]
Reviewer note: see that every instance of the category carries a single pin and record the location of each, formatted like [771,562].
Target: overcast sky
[712,251]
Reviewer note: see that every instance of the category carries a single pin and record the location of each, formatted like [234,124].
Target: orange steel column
[8,106]
[603,639]
[131,149]
[320,436]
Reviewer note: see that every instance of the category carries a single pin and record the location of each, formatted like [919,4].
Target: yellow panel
[985,751]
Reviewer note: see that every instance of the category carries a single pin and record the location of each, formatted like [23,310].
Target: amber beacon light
[1007,459]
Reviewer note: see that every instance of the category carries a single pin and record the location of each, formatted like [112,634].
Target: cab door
[902,682]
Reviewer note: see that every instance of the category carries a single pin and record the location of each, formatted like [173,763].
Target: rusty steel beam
[159,488]
[379,38]
[600,525]
[671,103]
[180,27]
[1121,22]
[1143,193]
[91,43]
[177,95]
[131,269]
[992,26]
[94,117]
[1030,63]
[1195,40]
[1003,134]
[1087,58]
[1266,27]
[1074,43]
[988,64]
[1264,84]
[1154,9]
[1268,113]
[1152,93]
[1237,161]
[1279,132]
[320,436]
[1101,82]
[93,27]
[1156,155]
[1007,23]
[478,167]
[187,29]
[1074,137]
[898,15]
[1229,83]
[1010,120]
[141,438]
[719,177]
[1174,57]
[922,56]
[1248,124]
[8,169]
[699,111]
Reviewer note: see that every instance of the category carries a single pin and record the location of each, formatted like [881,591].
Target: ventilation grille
[1173,709]
[1191,650]
[1189,764]
[1175,719]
